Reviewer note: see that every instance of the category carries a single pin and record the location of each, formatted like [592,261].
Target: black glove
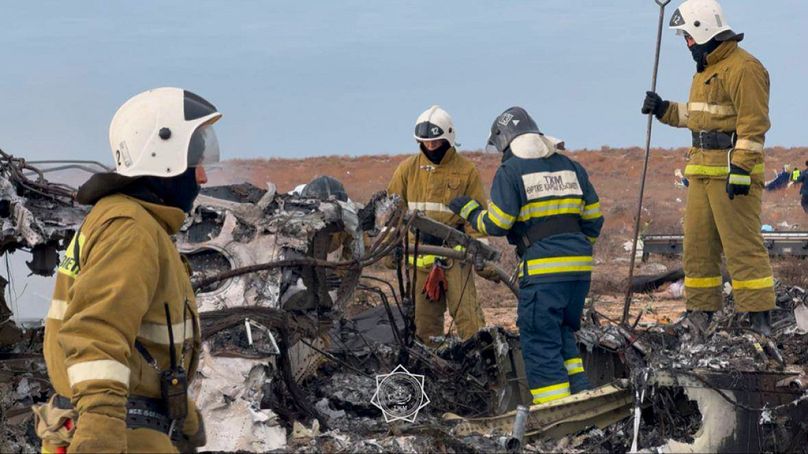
[738,181]
[463,206]
[654,104]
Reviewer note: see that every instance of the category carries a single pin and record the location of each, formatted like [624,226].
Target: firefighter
[427,182]
[123,304]
[545,205]
[728,115]
[798,176]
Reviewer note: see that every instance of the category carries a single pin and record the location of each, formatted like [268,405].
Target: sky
[324,77]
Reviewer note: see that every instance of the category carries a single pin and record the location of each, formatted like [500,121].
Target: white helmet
[703,20]
[162,132]
[435,124]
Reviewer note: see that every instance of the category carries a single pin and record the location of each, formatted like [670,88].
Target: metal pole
[627,304]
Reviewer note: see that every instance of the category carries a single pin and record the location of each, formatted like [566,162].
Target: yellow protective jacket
[430,187]
[730,95]
[117,274]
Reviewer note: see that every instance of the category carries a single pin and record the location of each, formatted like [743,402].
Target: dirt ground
[615,174]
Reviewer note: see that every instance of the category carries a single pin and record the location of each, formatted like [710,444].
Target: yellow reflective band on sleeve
[70,264]
[423,261]
[468,208]
[57,309]
[712,109]
[102,369]
[546,208]
[746,144]
[158,332]
[716,171]
[703,282]
[795,175]
[549,393]
[591,212]
[684,114]
[753,284]
[741,180]
[500,218]
[481,222]
[554,265]
[574,366]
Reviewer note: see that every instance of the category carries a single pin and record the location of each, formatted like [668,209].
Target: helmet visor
[428,131]
[204,147]
[490,146]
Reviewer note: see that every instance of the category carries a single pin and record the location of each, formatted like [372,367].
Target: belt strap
[541,230]
[714,140]
[141,413]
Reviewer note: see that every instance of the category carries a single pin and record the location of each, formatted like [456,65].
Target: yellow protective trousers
[714,223]
[462,303]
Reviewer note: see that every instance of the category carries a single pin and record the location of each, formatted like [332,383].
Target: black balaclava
[701,51]
[437,155]
[178,192]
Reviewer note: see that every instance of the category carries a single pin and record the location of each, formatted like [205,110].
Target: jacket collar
[532,146]
[169,218]
[721,52]
[451,153]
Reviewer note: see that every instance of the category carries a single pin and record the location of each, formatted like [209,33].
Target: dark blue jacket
[553,193]
[803,178]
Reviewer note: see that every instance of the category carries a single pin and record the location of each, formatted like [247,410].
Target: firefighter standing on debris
[545,204]
[122,335]
[728,114]
[427,182]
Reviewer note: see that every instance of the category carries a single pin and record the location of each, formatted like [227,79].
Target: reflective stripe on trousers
[574,366]
[550,393]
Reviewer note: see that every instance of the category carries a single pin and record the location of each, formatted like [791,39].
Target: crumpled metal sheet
[242,233]
[30,222]
[228,393]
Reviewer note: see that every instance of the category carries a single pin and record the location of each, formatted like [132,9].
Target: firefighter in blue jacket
[545,205]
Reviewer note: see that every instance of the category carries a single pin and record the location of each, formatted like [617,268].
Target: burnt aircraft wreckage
[291,361]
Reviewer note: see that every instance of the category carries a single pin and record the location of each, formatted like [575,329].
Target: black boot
[761,322]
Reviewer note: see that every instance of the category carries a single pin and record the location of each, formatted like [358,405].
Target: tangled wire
[15,169]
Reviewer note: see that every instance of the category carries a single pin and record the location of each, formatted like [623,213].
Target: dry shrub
[791,271]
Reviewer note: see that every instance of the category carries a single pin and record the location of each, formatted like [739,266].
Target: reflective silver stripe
[102,369]
[744,180]
[565,391]
[57,310]
[713,109]
[531,211]
[470,206]
[158,333]
[684,114]
[746,144]
[573,364]
[560,263]
[429,206]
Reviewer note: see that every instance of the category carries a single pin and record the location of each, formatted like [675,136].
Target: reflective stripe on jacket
[538,192]
[119,271]
[730,95]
